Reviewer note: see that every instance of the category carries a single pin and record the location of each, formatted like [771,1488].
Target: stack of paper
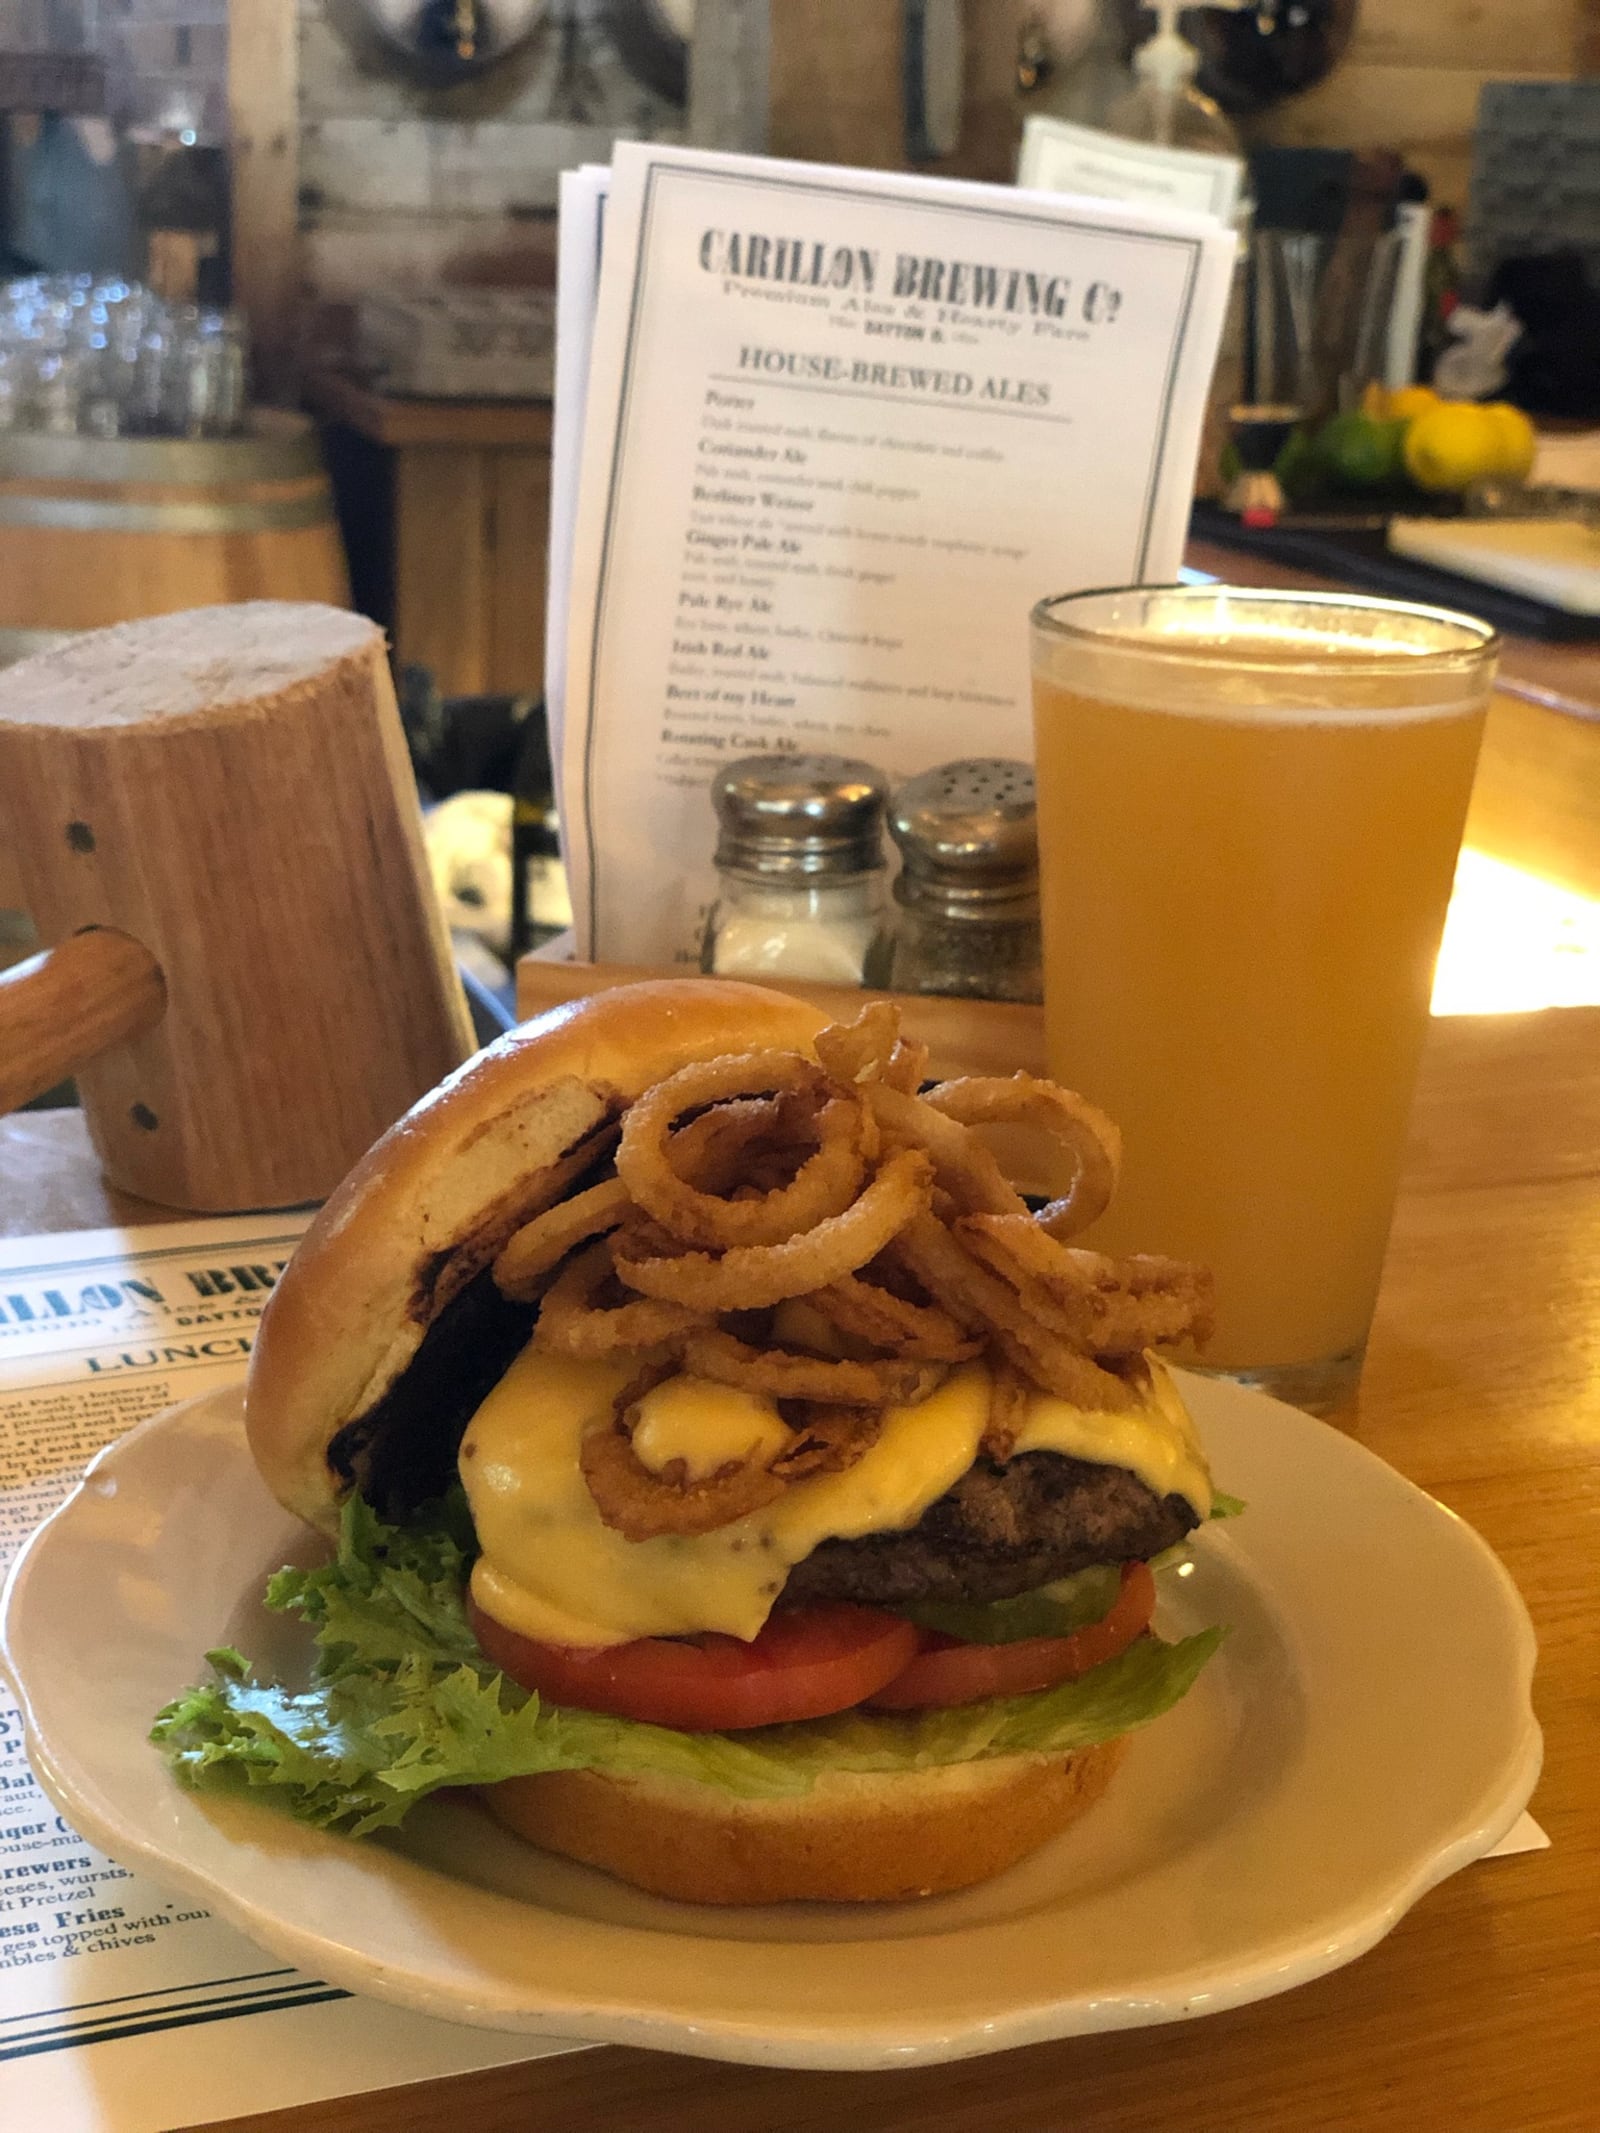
[822,439]
[123,2007]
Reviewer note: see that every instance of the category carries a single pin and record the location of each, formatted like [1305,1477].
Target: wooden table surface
[1481,2011]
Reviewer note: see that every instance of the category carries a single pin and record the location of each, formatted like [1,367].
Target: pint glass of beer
[1250,805]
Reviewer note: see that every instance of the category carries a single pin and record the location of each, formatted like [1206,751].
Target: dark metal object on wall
[651,38]
[447,40]
[935,53]
[1262,54]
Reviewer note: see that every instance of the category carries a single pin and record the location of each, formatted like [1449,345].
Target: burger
[730,1472]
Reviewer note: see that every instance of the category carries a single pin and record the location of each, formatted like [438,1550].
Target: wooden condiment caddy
[962,1036]
[217,835]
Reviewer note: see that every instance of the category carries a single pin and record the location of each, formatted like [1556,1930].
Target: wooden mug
[213,819]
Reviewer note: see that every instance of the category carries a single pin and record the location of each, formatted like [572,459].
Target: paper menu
[1058,156]
[843,428]
[125,2008]
[581,233]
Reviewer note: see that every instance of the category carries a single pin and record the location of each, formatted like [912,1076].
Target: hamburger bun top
[431,1204]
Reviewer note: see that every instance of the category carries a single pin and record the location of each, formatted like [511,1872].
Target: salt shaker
[968,888]
[801,879]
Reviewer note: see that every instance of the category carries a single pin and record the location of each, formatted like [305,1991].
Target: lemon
[1406,402]
[1516,440]
[1452,445]
[1359,452]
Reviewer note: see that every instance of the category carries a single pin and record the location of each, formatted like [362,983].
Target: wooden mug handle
[66,1006]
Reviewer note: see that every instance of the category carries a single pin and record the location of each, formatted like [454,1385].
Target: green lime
[1359,452]
[1299,470]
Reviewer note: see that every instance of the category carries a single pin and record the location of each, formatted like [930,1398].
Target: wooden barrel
[96,531]
[15,645]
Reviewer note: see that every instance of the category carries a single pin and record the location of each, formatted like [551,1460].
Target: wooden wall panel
[1412,77]
[442,572]
[838,87]
[836,82]
[518,539]
[1501,36]
[263,115]
[992,122]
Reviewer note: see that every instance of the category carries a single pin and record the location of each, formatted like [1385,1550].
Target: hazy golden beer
[1249,811]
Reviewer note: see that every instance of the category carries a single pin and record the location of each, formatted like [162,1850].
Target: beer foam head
[1261,657]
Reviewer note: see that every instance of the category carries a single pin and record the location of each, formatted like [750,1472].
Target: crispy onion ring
[750,1277]
[982,1300]
[869,1313]
[1084,1131]
[572,1323]
[545,1241]
[908,1066]
[1110,1307]
[871,1048]
[826,1440]
[962,1165]
[788,1376]
[1009,1394]
[641,1505]
[860,1050]
[707,1153]
[824,1185]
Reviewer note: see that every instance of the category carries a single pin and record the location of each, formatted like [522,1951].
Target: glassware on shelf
[112,359]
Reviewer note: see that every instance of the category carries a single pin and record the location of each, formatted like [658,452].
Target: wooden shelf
[389,419]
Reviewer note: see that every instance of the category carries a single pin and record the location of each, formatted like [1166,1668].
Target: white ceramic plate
[1365,1731]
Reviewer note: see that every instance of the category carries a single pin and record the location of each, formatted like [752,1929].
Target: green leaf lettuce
[401,1701]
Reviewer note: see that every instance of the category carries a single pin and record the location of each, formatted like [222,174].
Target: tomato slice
[805,1663]
[946,1672]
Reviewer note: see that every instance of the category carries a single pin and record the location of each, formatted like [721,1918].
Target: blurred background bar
[282,285]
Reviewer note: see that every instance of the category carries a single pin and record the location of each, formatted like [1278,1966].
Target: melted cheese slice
[704,1427]
[1156,1440]
[551,1569]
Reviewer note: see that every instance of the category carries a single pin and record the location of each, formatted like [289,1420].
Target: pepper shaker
[968,888]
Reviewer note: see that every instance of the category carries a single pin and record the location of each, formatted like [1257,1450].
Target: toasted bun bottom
[852,1839]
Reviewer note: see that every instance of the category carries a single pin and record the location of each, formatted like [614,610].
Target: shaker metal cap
[967,833]
[799,815]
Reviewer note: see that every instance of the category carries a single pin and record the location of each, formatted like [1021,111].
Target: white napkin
[1524,1835]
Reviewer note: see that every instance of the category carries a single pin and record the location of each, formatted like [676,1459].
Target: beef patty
[1003,1529]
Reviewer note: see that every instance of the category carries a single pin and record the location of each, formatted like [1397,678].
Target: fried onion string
[823,1186]
[981,1299]
[962,1165]
[877,1316]
[753,1276]
[1009,1394]
[827,1439]
[1082,1130]
[1109,1307]
[642,1505]
[574,1320]
[887,1382]
[819,1235]
[543,1243]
